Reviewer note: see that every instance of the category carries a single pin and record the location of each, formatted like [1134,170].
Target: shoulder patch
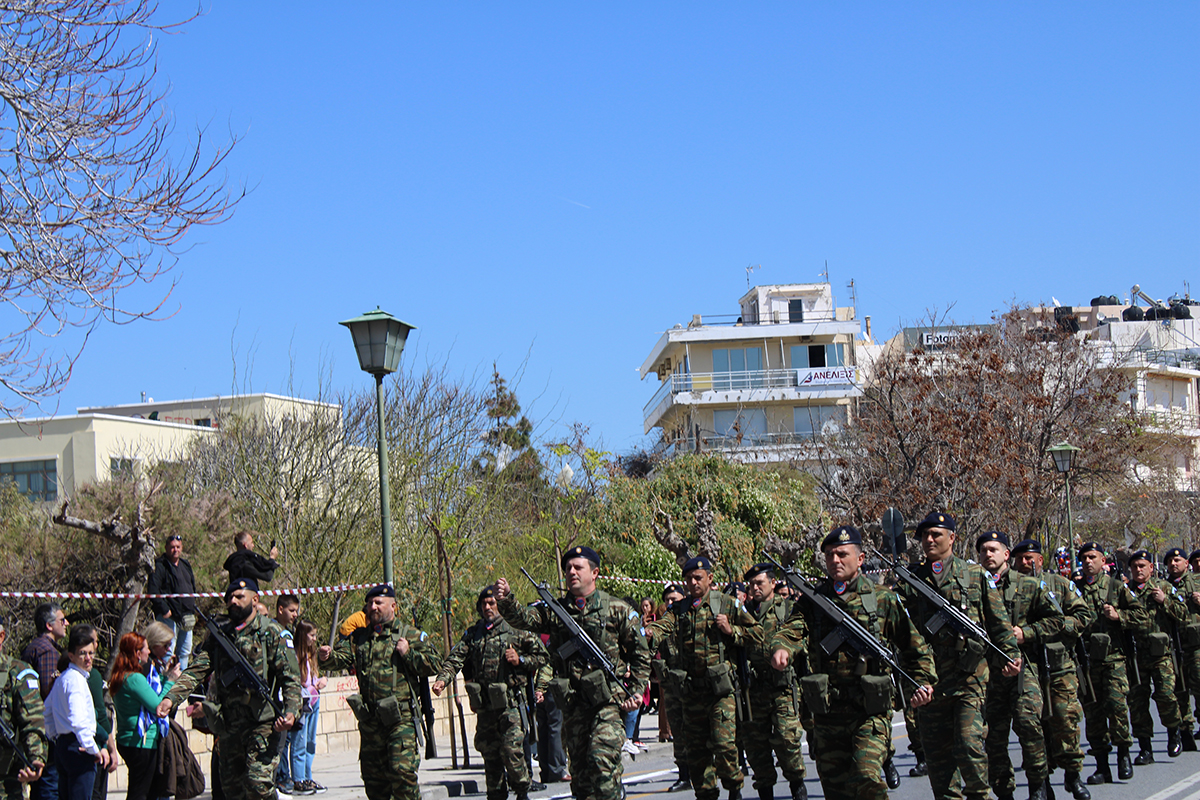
[285,634]
[991,581]
[32,683]
[633,614]
[287,640]
[27,671]
[424,636]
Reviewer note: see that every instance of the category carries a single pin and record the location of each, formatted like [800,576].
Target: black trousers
[142,763]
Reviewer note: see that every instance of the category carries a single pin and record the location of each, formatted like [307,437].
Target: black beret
[697,562]
[380,590]
[1089,546]
[992,536]
[1027,546]
[581,552]
[1174,551]
[938,519]
[1141,555]
[241,583]
[734,587]
[758,569]
[1195,554]
[671,587]
[487,591]
[843,534]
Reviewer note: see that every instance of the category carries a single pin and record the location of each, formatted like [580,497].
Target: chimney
[867,319]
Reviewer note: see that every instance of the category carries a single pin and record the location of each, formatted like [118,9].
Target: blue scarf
[145,718]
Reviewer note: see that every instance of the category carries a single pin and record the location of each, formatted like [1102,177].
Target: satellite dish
[1054,300]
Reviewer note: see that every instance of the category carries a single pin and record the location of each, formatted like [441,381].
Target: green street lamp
[379,340]
[1064,458]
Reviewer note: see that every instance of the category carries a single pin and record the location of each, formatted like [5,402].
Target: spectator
[287,611]
[353,622]
[50,624]
[71,719]
[303,739]
[105,735]
[245,563]
[173,575]
[136,692]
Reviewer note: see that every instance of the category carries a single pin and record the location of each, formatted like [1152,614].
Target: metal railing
[752,379]
[729,320]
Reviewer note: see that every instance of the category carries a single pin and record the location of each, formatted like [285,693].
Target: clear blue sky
[562,182]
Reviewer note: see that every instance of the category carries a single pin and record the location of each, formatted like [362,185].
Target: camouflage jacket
[692,625]
[1155,617]
[611,623]
[957,659]
[480,656]
[1077,614]
[880,612]
[269,651]
[1104,589]
[1188,628]
[381,671]
[1031,607]
[21,708]
[771,616]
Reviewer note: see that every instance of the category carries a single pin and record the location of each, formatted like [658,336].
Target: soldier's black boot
[1174,742]
[1075,786]
[890,774]
[921,769]
[522,792]
[766,793]
[1124,765]
[1189,741]
[1037,792]
[799,791]
[1103,773]
[1146,754]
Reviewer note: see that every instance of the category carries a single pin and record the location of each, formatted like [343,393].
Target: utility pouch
[877,694]
[1189,635]
[720,679]
[782,680]
[675,679]
[212,717]
[1099,645]
[594,688]
[1057,656]
[562,691]
[356,704]
[972,656]
[475,696]
[815,688]
[1158,644]
[388,711]
[497,696]
[657,668]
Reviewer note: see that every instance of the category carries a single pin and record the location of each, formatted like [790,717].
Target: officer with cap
[593,706]
[1106,711]
[1162,609]
[243,719]
[389,657]
[1186,639]
[707,627]
[498,662]
[955,716]
[773,728]
[1016,702]
[1062,711]
[850,696]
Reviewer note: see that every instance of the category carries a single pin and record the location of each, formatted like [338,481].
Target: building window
[121,469]
[37,480]
[795,311]
[747,425]
[811,421]
[737,368]
[813,356]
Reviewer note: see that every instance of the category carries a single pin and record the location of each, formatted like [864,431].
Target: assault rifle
[10,740]
[847,629]
[579,645]
[241,671]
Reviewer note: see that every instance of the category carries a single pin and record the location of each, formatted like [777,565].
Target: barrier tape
[345,587]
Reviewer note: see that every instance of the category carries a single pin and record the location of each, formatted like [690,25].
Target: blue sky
[556,184]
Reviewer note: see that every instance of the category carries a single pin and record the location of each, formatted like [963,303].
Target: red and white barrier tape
[345,587]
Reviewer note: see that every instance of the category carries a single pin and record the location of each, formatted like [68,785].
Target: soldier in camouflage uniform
[850,697]
[672,702]
[498,662]
[246,723]
[593,706]
[22,710]
[1016,703]
[1106,712]
[1162,609]
[774,725]
[1187,640]
[389,657]
[1063,713]
[955,716]
[708,627]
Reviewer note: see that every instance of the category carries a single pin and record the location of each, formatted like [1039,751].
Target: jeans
[183,641]
[631,718]
[303,744]
[76,769]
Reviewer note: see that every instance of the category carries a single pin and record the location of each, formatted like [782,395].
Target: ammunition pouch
[1189,635]
[657,668]
[475,696]
[720,679]
[1058,658]
[594,688]
[777,679]
[357,706]
[212,717]
[1158,645]
[973,652]
[1099,646]
[815,688]
[675,679]
[388,712]
[877,694]
[497,694]
[562,691]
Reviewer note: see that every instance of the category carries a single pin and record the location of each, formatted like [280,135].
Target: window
[37,480]
[749,425]
[811,421]
[737,368]
[812,356]
[121,469]
[795,311]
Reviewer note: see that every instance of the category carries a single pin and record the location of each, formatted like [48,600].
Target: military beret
[487,591]
[937,519]
[248,584]
[734,587]
[1027,546]
[992,536]
[1174,551]
[1141,555]
[758,569]
[1089,546]
[697,562]
[380,590]
[843,534]
[581,552]
[669,588]
[1195,554]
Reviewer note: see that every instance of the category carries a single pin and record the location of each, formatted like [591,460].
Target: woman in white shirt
[71,719]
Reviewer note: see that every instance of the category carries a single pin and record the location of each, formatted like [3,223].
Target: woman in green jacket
[136,692]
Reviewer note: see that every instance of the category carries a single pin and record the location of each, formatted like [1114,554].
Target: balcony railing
[754,379]
[729,320]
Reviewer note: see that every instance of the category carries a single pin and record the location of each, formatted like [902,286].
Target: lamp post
[379,340]
[1064,458]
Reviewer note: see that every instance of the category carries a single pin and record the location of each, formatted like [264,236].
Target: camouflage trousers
[774,729]
[1185,691]
[1007,708]
[673,708]
[500,740]
[593,738]
[952,736]
[1159,672]
[710,735]
[1107,714]
[851,750]
[914,733]
[388,759]
[1061,722]
[249,756]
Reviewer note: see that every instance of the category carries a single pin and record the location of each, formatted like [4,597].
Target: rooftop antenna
[853,294]
[825,273]
[750,268]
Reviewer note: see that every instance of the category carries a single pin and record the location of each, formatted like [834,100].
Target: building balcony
[762,448]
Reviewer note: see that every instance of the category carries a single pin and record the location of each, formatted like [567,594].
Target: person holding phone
[71,719]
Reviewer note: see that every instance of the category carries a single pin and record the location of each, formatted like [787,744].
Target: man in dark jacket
[173,575]
[245,563]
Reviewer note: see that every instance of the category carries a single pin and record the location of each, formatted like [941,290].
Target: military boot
[1075,786]
[890,774]
[920,770]
[1124,765]
[1174,742]
[522,792]
[766,793]
[1103,773]
[1146,754]
[799,791]
[1037,792]
[1189,741]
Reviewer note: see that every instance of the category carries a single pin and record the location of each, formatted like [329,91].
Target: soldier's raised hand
[723,624]
[284,723]
[324,652]
[1011,669]
[437,688]
[1158,594]
[27,775]
[922,696]
[502,590]
[512,656]
[402,646]
[780,659]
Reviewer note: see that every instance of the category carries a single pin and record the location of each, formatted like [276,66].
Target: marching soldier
[1017,702]
[498,662]
[593,725]
[952,723]
[851,697]
[707,626]
[389,657]
[1063,712]
[672,702]
[1162,609]
[1105,709]
[1187,640]
[22,711]
[773,728]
